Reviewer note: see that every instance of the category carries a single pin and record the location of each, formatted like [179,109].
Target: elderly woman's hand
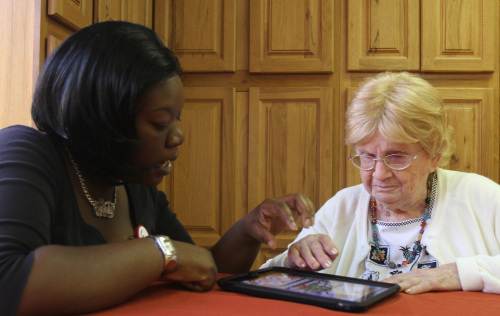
[274,215]
[313,252]
[442,278]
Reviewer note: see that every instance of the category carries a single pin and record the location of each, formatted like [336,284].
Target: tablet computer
[324,290]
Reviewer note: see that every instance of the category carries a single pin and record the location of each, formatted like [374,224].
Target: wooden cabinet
[289,67]
[291,36]
[471,112]
[247,140]
[137,11]
[203,179]
[290,137]
[200,33]
[66,16]
[458,35]
[74,14]
[62,18]
[286,36]
[383,35]
[427,35]
[457,44]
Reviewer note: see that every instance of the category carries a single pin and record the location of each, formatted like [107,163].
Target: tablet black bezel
[235,284]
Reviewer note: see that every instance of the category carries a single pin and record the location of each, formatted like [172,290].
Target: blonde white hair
[403,108]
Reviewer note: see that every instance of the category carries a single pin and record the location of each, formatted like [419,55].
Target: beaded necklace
[100,208]
[418,247]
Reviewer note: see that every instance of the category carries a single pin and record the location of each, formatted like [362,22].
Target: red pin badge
[140,232]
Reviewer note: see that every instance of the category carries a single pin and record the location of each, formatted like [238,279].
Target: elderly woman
[409,222]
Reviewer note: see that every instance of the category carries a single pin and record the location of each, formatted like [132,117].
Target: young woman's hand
[195,267]
[274,215]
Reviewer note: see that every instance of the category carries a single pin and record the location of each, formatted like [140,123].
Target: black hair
[88,89]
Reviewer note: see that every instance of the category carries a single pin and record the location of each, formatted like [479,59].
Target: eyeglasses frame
[385,163]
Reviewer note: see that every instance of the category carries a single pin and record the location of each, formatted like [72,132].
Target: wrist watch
[167,248]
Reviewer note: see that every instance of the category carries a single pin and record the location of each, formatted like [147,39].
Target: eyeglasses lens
[396,162]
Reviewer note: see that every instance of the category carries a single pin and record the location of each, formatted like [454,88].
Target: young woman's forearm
[72,280]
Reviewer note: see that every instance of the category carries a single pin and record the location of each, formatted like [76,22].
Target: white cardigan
[465,228]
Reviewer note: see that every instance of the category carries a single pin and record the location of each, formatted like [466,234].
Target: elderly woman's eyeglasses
[394,161]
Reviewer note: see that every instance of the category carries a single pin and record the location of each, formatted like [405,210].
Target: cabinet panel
[75,14]
[458,35]
[54,40]
[200,33]
[199,185]
[470,111]
[290,141]
[291,36]
[137,11]
[66,16]
[383,35]
[54,29]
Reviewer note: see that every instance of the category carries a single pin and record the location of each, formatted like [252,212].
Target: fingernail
[307,222]
[334,251]
[327,263]
[294,226]
[198,287]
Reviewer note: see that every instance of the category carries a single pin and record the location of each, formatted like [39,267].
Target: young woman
[75,192]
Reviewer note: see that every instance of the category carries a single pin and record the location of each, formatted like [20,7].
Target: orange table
[169,299]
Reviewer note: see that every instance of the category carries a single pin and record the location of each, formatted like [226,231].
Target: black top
[38,207]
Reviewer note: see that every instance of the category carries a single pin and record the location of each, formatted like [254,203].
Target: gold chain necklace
[100,208]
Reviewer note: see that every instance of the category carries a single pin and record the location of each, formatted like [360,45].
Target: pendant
[103,208]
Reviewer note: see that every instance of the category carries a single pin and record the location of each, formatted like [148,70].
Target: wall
[19,38]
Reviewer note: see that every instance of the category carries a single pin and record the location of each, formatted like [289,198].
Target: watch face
[169,252]
[168,246]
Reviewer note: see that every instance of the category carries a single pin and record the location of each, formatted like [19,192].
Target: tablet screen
[316,286]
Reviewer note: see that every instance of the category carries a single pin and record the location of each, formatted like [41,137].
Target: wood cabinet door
[74,14]
[59,19]
[201,33]
[290,141]
[471,112]
[200,185]
[291,36]
[383,35]
[137,11]
[458,35]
